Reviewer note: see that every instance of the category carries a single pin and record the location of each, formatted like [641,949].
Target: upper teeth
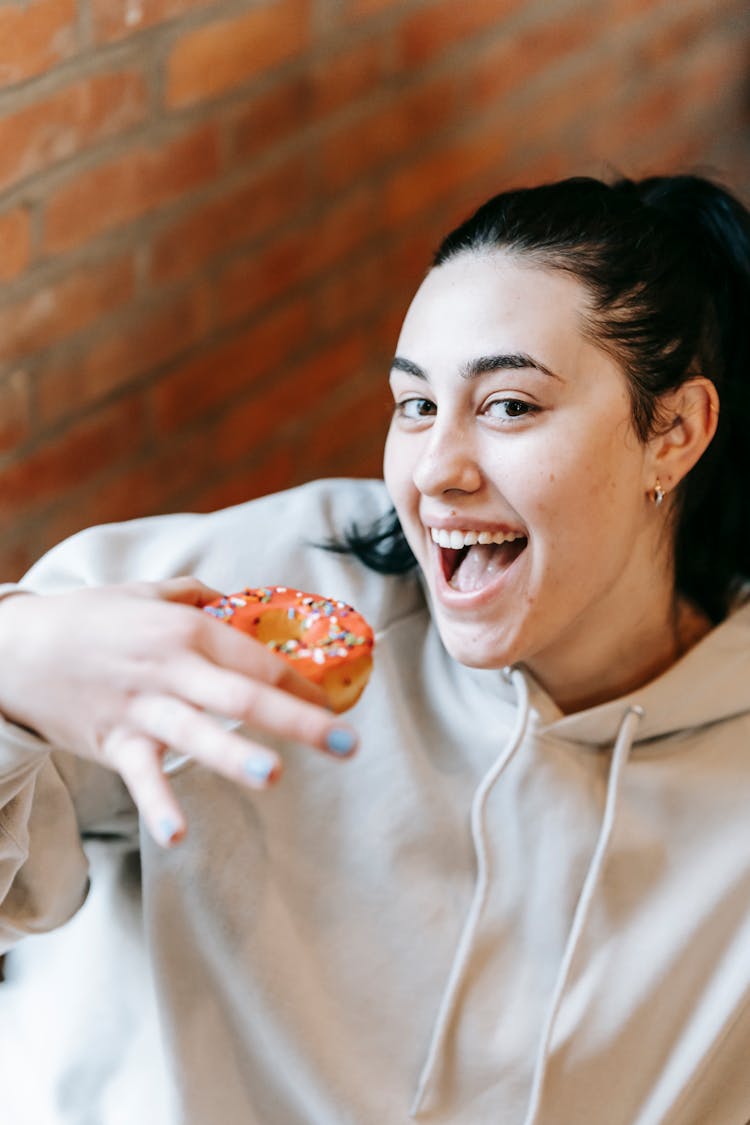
[458,539]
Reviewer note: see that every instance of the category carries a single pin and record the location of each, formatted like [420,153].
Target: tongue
[477,568]
[480,566]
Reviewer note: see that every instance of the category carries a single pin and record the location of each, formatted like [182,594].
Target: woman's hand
[121,674]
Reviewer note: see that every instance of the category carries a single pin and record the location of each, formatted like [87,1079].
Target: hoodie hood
[696,691]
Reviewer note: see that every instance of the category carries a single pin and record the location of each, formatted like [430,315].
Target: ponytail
[712,549]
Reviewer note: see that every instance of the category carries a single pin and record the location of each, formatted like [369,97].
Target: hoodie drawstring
[481,887]
[620,753]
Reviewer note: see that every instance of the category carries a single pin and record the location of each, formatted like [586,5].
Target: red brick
[339,79]
[339,362]
[34,37]
[273,472]
[54,312]
[546,166]
[360,463]
[272,116]
[647,128]
[209,60]
[282,406]
[93,445]
[68,121]
[511,63]
[226,372]
[676,151]
[437,28]
[115,19]
[151,335]
[351,223]
[359,9]
[350,74]
[254,280]
[679,34]
[124,189]
[557,108]
[14,410]
[387,277]
[450,171]
[624,128]
[359,422]
[349,440]
[716,72]
[641,10]
[410,255]
[16,557]
[154,484]
[231,219]
[412,250]
[353,293]
[365,144]
[15,240]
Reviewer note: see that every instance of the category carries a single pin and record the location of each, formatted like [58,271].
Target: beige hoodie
[493,914]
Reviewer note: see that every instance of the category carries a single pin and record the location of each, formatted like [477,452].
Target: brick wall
[213,212]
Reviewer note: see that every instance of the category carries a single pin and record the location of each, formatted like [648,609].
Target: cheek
[397,473]
[578,501]
[389,459]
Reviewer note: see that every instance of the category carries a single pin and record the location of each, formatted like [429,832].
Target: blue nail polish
[340,741]
[168,830]
[259,769]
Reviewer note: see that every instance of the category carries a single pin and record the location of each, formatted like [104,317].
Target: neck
[591,673]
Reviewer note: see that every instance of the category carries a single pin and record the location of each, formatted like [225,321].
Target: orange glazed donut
[326,641]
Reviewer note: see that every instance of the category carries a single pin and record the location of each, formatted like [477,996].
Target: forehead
[481,303]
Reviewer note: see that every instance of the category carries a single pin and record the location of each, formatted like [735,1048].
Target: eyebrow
[513,361]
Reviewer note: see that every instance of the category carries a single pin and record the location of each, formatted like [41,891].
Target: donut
[324,640]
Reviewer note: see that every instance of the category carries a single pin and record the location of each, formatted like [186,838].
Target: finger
[137,758]
[185,589]
[229,648]
[269,708]
[188,590]
[189,731]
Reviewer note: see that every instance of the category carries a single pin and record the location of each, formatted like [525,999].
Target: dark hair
[666,261]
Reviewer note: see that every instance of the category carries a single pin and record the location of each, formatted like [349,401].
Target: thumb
[187,590]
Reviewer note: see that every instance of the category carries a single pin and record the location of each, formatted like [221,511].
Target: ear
[691,413]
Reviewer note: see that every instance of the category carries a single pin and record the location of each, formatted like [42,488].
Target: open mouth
[471,560]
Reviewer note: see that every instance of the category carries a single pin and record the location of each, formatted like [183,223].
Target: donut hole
[276,627]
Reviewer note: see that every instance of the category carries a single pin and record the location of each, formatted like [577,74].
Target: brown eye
[507,409]
[416,408]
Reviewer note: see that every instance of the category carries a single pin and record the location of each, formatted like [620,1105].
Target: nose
[447,461]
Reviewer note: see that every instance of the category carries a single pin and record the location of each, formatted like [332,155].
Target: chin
[485,653]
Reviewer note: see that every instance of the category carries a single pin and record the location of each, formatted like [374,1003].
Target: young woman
[527,898]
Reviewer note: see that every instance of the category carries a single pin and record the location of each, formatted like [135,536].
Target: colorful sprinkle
[330,629]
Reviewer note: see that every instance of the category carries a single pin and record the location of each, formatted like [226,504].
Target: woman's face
[515,470]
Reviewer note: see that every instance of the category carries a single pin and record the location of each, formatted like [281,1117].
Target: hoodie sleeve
[43,870]
[50,800]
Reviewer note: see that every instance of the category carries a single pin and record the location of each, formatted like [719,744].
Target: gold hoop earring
[657,493]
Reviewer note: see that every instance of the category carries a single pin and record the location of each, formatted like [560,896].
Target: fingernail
[340,741]
[259,769]
[169,831]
